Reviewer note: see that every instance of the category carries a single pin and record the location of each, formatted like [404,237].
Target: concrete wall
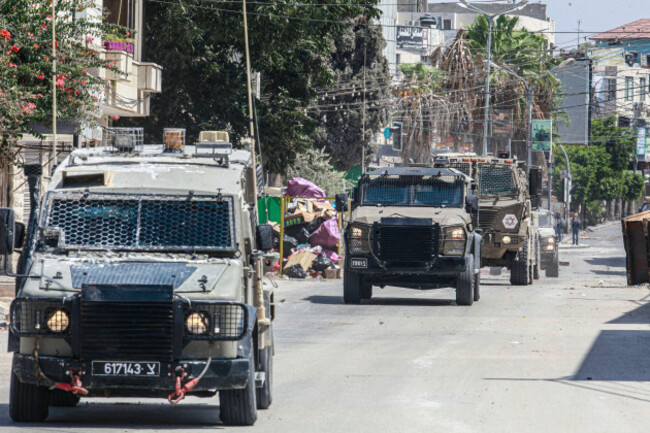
[388,21]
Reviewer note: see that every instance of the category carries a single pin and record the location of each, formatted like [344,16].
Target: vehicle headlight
[197,323]
[454,240]
[359,239]
[58,321]
[506,240]
[550,240]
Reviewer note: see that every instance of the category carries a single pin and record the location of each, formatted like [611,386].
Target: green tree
[26,65]
[201,45]
[618,142]
[315,165]
[339,107]
[633,186]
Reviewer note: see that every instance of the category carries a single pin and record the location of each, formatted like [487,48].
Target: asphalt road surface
[564,355]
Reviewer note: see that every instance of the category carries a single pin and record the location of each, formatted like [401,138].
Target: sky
[596,16]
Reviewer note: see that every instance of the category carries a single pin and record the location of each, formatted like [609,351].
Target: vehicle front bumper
[222,374]
[444,266]
[494,248]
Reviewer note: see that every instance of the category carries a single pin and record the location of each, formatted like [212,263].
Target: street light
[490,18]
[529,95]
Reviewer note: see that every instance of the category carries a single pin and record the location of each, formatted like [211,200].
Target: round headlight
[58,321]
[197,323]
[506,240]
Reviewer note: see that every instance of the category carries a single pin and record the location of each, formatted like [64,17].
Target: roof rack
[219,151]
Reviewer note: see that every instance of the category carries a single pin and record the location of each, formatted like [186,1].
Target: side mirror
[341,202]
[471,204]
[535,181]
[264,237]
[19,235]
[7,227]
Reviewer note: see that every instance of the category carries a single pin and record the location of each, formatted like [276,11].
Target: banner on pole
[542,135]
[640,141]
[501,123]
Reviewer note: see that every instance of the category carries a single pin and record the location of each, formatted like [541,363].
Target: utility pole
[490,18]
[251,123]
[363,115]
[635,121]
[578,46]
[53,159]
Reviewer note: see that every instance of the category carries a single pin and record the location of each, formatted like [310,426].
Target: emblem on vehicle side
[510,221]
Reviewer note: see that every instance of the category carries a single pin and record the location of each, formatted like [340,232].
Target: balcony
[123,62]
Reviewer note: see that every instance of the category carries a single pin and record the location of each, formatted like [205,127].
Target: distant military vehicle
[549,254]
[412,227]
[509,240]
[143,279]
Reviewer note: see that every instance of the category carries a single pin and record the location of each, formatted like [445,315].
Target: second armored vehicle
[412,227]
[549,255]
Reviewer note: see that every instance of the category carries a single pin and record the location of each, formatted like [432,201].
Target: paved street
[568,355]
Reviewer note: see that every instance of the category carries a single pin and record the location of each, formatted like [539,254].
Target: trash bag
[288,245]
[295,271]
[313,225]
[299,187]
[327,235]
[298,232]
[333,256]
[320,263]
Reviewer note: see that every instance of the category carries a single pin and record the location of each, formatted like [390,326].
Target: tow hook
[76,387]
[180,391]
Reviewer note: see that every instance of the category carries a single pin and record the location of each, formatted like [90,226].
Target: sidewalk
[7,287]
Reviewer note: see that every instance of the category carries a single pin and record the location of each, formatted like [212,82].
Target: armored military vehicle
[142,278]
[509,240]
[412,227]
[549,254]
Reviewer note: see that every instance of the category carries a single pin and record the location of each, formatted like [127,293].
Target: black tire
[520,270]
[366,291]
[60,398]
[553,269]
[351,287]
[537,267]
[477,286]
[239,406]
[28,403]
[465,284]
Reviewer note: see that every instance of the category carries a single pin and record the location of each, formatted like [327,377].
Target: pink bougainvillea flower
[36,46]
[14,48]
[60,83]
[115,117]
[40,77]
[31,105]
[26,109]
[5,34]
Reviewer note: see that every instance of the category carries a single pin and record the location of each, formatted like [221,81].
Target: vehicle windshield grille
[494,180]
[439,191]
[141,222]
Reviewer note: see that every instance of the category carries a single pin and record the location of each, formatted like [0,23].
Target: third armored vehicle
[412,227]
[509,238]
[549,254]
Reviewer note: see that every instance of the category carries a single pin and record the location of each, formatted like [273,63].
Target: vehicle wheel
[465,284]
[239,406]
[520,268]
[366,291]
[264,395]
[60,398]
[495,271]
[537,271]
[553,269]
[477,286]
[351,287]
[28,403]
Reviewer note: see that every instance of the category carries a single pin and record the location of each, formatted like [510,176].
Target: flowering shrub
[26,66]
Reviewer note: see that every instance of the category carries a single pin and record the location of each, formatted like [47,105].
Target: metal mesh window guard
[495,180]
[134,222]
[435,191]
[463,167]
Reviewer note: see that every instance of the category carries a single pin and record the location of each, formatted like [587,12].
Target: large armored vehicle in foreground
[509,238]
[549,252]
[142,279]
[412,227]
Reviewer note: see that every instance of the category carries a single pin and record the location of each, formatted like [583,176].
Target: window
[629,88]
[446,25]
[611,89]
[642,89]
[398,58]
